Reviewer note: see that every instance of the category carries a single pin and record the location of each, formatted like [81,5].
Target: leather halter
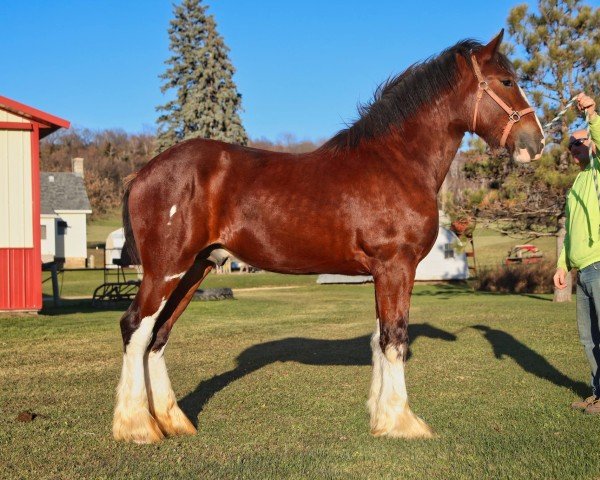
[513,115]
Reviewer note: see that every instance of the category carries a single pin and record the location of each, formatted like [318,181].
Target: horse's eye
[507,83]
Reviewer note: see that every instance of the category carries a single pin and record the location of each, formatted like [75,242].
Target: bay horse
[365,202]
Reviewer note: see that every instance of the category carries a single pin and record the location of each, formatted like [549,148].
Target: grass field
[277,382]
[99,228]
[491,248]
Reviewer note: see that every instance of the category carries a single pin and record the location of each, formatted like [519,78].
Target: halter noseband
[513,115]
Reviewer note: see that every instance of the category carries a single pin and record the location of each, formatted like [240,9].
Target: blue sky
[302,67]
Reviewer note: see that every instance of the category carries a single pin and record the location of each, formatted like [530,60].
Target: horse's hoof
[138,427]
[174,422]
[405,425]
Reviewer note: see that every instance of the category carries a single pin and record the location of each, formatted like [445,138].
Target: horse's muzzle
[528,147]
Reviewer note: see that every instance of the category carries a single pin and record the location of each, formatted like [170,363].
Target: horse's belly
[299,257]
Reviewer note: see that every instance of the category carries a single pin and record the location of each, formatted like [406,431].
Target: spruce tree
[557,56]
[206,102]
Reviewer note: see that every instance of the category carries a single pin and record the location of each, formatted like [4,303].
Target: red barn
[21,128]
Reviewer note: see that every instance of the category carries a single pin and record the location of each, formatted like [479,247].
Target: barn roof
[63,191]
[48,123]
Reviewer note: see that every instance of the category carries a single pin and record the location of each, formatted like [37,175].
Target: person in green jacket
[581,248]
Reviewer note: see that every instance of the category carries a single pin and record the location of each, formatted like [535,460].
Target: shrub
[529,278]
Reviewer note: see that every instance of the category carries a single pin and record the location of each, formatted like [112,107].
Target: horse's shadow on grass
[356,351]
[529,360]
[308,351]
[68,306]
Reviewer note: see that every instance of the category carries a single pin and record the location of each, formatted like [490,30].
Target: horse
[364,202]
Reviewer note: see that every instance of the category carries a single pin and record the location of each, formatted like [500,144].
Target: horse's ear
[488,52]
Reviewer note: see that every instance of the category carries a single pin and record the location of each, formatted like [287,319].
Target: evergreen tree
[206,103]
[557,56]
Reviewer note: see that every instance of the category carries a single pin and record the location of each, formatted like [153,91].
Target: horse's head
[500,112]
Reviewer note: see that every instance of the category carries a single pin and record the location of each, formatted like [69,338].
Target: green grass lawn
[491,248]
[82,283]
[277,382]
[99,228]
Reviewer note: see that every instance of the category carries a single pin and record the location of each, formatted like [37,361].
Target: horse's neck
[442,143]
[430,142]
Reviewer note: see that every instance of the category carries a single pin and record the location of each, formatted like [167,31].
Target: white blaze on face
[522,155]
[537,120]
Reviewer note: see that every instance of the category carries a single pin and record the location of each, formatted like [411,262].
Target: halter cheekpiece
[513,115]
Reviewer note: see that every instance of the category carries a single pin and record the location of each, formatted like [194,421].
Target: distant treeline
[111,155]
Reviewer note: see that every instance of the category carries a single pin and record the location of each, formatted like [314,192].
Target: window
[448,250]
[61,227]
[43,232]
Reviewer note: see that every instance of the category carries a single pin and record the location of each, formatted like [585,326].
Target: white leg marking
[376,373]
[161,398]
[171,213]
[132,419]
[168,278]
[388,403]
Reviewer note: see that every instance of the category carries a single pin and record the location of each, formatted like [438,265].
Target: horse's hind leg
[388,403]
[161,398]
[132,418]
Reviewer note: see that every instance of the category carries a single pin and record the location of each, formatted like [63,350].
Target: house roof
[48,123]
[66,191]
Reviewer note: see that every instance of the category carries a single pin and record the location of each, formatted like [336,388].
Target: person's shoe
[593,408]
[583,404]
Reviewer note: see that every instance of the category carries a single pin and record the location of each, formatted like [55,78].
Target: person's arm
[560,277]
[587,104]
[562,266]
[562,260]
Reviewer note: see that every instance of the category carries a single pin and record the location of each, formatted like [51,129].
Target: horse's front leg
[388,403]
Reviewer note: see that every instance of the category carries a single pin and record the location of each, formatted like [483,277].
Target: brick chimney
[77,166]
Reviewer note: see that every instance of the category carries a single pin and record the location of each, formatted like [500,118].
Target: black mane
[399,97]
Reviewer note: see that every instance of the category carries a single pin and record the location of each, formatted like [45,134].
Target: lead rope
[560,114]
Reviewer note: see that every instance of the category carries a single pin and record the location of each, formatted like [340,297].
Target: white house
[64,209]
[445,261]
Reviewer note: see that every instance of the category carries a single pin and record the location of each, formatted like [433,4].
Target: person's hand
[560,279]
[586,103]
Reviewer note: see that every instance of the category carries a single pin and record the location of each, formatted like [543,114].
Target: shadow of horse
[308,351]
[529,360]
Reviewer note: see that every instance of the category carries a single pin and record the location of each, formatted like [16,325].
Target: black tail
[130,250]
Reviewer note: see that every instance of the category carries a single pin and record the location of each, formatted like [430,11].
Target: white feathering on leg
[161,398]
[132,419]
[390,413]
[376,373]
